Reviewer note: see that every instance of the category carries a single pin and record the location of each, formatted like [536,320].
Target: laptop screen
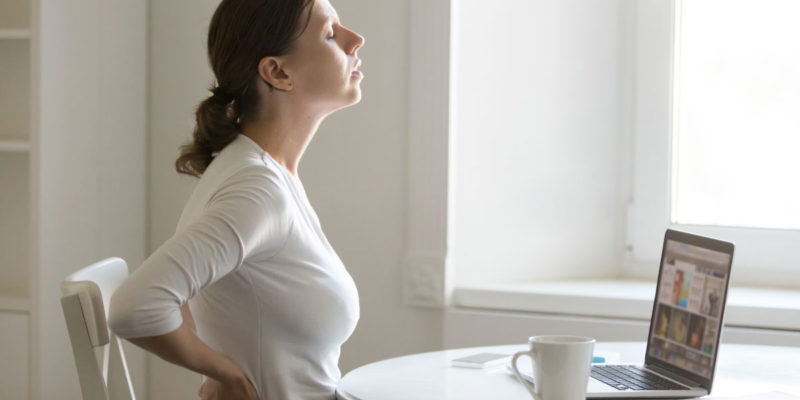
[689,304]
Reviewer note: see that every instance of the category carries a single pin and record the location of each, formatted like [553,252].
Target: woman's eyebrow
[330,19]
[325,22]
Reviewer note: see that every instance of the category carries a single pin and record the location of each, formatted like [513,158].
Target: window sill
[747,307]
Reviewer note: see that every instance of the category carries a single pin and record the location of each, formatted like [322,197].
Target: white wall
[541,139]
[354,172]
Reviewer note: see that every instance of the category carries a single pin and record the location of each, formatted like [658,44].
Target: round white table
[741,370]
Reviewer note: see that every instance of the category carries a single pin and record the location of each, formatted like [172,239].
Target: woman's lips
[356,72]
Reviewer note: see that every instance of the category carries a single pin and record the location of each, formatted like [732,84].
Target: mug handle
[528,385]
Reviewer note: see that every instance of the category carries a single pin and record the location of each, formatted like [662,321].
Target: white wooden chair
[102,370]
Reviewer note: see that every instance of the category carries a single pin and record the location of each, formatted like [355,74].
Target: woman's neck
[284,135]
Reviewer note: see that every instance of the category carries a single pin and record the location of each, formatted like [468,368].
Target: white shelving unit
[15,196]
[15,66]
[72,173]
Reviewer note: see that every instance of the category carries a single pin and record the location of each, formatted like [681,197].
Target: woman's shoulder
[242,161]
[241,171]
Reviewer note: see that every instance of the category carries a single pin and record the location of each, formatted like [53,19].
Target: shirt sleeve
[247,216]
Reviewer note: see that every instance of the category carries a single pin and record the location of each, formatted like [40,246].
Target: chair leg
[119,379]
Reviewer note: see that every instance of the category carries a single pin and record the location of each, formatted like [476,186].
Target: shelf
[14,146]
[12,301]
[15,93]
[15,34]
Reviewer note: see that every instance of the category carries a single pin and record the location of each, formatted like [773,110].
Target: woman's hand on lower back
[237,389]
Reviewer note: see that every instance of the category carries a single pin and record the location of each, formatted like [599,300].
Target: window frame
[763,257]
[427,279]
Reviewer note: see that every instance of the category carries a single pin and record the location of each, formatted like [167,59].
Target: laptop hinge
[682,379]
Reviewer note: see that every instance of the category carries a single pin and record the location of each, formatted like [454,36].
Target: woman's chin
[354,97]
[357,97]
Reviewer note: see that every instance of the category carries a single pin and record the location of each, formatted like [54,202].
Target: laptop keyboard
[632,377]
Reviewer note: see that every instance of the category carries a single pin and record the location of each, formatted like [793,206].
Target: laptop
[685,326]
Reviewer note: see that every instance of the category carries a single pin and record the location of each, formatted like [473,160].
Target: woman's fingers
[206,391]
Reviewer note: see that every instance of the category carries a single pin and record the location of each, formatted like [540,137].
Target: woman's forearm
[182,347]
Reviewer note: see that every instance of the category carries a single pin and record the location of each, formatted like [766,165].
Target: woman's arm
[182,347]
[150,308]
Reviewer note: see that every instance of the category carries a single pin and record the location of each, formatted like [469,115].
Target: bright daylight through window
[584,129]
[736,120]
[593,126]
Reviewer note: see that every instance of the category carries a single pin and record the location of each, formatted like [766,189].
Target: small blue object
[597,359]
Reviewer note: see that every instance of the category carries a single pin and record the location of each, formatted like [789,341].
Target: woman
[271,302]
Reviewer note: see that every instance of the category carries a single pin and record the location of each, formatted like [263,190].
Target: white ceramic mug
[561,366]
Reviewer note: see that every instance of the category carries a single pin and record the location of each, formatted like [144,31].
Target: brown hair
[241,33]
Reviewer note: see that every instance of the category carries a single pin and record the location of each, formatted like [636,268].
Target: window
[737,126]
[715,134]
[540,147]
[583,129]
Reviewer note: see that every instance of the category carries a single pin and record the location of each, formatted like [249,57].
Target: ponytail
[217,120]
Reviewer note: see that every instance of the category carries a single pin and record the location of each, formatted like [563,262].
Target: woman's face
[323,65]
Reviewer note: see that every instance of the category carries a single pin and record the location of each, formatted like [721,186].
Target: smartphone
[481,360]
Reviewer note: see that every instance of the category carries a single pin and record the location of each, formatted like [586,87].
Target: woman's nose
[357,43]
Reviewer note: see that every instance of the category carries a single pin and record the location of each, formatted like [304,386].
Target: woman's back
[266,288]
[287,303]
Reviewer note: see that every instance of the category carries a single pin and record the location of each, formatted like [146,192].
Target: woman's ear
[271,71]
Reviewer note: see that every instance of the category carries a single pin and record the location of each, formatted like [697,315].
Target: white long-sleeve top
[266,287]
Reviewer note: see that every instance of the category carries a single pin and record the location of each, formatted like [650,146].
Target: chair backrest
[102,370]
